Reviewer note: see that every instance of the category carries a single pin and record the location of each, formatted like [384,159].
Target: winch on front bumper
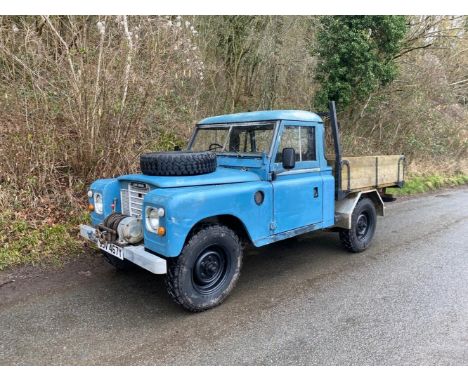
[134,253]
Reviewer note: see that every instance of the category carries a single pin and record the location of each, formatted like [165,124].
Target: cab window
[301,139]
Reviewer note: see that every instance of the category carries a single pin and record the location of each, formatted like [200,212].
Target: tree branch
[410,50]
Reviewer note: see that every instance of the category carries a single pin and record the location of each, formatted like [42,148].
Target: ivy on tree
[356,56]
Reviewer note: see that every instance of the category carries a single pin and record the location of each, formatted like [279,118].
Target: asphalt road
[304,301]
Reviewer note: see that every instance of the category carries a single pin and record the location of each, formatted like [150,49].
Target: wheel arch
[376,199]
[230,221]
[344,208]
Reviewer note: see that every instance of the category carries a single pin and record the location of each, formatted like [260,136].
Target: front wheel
[363,224]
[207,270]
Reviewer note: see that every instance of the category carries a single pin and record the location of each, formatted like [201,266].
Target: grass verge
[426,183]
[24,242]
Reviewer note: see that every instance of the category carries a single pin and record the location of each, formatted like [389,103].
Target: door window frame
[300,165]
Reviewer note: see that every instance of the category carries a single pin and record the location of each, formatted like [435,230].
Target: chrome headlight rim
[152,222]
[98,203]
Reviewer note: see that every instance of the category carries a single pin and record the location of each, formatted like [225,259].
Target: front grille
[125,202]
[132,198]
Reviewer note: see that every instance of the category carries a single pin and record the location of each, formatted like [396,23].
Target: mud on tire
[172,163]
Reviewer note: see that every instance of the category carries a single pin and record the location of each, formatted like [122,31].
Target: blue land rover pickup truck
[247,178]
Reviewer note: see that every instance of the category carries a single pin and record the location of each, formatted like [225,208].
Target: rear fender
[344,208]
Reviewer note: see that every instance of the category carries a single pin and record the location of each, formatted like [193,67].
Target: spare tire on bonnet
[178,163]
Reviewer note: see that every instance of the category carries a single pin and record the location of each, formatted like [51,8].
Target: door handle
[315,192]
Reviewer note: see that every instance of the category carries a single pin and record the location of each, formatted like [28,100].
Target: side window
[301,139]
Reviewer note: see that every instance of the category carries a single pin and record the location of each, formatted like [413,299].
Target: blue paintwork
[306,209]
[259,165]
[222,175]
[185,207]
[266,115]
[328,200]
[110,190]
[289,207]
[295,205]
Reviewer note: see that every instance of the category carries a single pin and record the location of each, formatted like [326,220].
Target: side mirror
[289,158]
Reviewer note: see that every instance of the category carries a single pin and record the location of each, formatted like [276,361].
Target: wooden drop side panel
[365,172]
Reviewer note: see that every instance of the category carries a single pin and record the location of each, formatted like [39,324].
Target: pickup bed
[370,172]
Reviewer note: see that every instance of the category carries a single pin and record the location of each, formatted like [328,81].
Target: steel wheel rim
[362,225]
[210,270]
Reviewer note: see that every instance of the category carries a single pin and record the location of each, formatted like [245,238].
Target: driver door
[297,193]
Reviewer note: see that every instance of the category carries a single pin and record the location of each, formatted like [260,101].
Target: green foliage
[25,243]
[356,56]
[425,183]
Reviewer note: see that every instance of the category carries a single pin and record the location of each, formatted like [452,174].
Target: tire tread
[178,163]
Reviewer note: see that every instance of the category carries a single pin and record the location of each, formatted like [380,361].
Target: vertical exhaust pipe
[337,144]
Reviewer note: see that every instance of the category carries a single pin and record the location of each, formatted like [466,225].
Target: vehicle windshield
[253,138]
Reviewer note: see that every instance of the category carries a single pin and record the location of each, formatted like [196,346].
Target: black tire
[363,224]
[121,265]
[173,163]
[207,270]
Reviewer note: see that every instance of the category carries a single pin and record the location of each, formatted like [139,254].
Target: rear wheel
[363,224]
[207,270]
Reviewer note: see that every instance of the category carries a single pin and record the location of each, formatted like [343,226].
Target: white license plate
[112,249]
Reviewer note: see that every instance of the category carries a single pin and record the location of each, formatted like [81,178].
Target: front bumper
[134,253]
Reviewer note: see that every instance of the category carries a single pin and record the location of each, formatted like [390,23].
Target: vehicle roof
[265,115]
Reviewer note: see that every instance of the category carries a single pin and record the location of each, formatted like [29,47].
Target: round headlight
[98,205]
[161,212]
[152,219]
[90,194]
